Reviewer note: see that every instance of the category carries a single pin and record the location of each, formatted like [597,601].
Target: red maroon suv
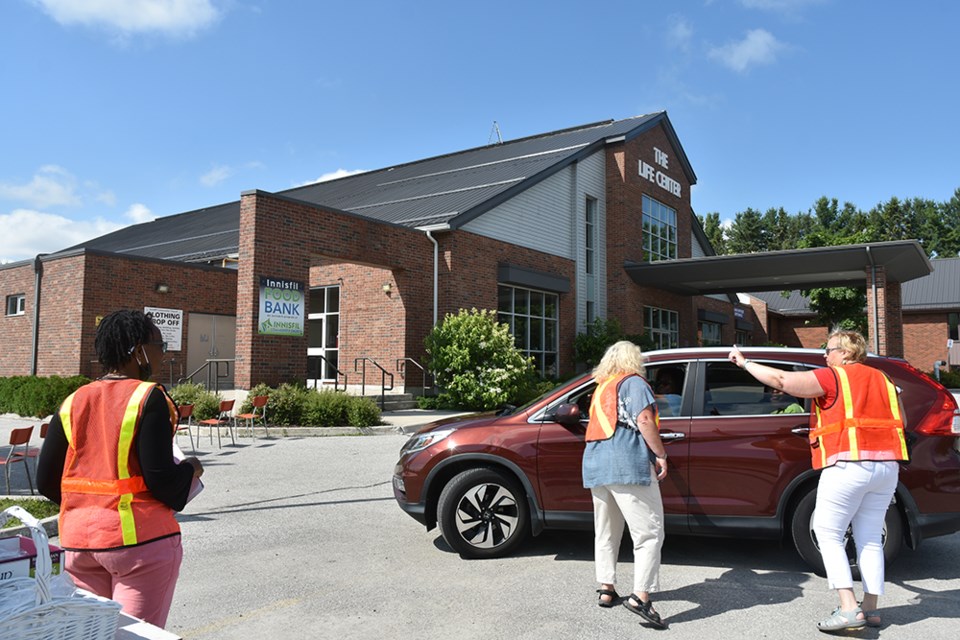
[739,460]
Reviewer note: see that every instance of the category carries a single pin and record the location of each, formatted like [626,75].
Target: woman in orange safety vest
[108,462]
[623,461]
[857,439]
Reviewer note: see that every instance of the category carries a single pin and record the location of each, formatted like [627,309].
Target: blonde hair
[620,357]
[851,342]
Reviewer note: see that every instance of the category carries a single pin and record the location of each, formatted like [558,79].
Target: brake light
[943,418]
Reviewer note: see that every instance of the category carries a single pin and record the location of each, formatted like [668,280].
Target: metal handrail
[383,378]
[401,368]
[216,375]
[320,377]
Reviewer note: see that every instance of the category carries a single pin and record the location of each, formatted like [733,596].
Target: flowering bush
[476,363]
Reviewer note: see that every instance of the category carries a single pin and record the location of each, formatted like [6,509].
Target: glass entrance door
[323,321]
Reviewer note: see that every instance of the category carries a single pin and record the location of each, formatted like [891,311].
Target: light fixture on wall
[386,287]
[163,288]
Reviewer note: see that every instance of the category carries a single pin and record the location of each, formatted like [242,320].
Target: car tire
[805,540]
[482,513]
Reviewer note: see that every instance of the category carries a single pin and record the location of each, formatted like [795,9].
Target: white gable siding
[538,218]
[549,217]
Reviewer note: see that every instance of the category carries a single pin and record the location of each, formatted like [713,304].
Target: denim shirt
[625,457]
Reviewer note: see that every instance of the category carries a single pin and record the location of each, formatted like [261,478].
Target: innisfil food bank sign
[281,307]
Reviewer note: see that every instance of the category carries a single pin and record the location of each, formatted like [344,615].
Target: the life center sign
[281,307]
[658,177]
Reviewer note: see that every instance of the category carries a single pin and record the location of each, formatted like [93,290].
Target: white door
[323,325]
[211,337]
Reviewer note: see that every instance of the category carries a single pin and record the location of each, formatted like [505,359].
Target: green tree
[746,233]
[476,363]
[713,229]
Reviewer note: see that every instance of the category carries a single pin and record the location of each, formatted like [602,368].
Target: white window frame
[663,325]
[659,230]
[16,304]
[714,341]
[514,318]
[324,317]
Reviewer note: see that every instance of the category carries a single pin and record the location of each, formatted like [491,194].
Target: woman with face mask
[108,462]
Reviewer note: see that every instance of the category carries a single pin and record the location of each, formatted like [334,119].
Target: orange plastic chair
[20,451]
[43,429]
[223,420]
[186,424]
[259,402]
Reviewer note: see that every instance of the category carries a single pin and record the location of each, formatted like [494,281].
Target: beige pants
[642,510]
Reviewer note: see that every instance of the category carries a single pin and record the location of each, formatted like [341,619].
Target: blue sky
[119,111]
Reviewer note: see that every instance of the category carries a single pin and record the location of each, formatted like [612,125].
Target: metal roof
[783,270]
[450,190]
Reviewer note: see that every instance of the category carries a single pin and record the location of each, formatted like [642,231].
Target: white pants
[856,493]
[642,509]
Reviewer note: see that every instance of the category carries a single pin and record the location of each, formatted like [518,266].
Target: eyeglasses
[162,345]
[827,351]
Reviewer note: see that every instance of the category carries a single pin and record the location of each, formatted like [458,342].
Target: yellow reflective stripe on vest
[820,447]
[848,412]
[602,418]
[895,410]
[65,418]
[127,428]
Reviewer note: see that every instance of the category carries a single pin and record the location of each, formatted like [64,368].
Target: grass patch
[39,508]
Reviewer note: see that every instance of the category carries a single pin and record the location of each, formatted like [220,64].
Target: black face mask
[144,371]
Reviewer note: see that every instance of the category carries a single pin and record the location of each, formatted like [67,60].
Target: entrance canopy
[840,266]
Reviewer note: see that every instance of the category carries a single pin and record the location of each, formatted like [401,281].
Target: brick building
[326,282]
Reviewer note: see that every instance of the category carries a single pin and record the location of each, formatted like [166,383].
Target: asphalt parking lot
[301,538]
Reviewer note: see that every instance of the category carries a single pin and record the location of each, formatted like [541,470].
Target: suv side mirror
[567,414]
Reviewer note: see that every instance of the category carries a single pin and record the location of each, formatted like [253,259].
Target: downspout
[37,277]
[436,273]
[873,294]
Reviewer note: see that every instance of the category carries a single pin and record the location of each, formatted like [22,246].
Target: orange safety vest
[105,503]
[864,422]
[603,408]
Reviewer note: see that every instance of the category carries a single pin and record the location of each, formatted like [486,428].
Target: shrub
[590,346]
[326,408]
[362,412]
[287,403]
[475,361]
[206,404]
[949,379]
[33,396]
[260,389]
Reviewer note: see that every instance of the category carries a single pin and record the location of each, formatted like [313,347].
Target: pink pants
[141,578]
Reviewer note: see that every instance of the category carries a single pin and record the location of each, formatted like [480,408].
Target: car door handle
[800,431]
[672,436]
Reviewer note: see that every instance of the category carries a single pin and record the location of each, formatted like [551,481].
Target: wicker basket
[28,610]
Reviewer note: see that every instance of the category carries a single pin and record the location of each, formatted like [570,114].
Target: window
[710,334]
[663,326]
[741,337]
[590,258]
[659,231]
[953,319]
[323,336]
[532,318]
[731,391]
[16,304]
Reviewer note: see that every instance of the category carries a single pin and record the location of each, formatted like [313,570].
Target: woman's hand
[194,462]
[737,358]
[661,468]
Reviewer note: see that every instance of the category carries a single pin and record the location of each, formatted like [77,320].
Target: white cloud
[679,33]
[215,176]
[50,186]
[333,175]
[757,47]
[171,17]
[138,213]
[24,233]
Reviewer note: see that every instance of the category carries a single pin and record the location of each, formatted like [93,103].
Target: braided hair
[118,335]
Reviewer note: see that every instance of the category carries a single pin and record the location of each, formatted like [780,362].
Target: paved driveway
[301,538]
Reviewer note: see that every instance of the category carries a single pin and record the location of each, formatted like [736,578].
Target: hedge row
[34,396]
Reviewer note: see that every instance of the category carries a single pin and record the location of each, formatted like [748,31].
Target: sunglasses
[827,351]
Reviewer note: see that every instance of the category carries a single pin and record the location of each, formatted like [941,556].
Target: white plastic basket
[28,610]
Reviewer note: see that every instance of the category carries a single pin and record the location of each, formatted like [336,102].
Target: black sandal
[645,611]
[613,595]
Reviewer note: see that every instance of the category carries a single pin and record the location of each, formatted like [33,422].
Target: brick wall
[16,332]
[925,338]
